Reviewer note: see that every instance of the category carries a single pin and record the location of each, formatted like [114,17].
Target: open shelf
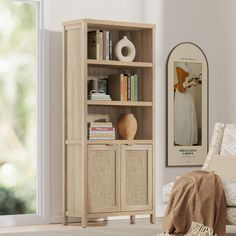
[112,114]
[119,103]
[118,64]
[119,141]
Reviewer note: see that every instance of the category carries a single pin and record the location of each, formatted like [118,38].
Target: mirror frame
[195,155]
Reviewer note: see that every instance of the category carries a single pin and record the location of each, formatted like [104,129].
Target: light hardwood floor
[102,228]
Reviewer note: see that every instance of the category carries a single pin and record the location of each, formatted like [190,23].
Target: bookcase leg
[65,220]
[152,219]
[132,219]
[84,222]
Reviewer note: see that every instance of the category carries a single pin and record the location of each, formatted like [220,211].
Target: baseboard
[56,216]
[160,210]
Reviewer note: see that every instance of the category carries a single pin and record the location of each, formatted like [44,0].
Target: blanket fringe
[196,229]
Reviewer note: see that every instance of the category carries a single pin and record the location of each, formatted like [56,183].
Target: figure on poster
[185,117]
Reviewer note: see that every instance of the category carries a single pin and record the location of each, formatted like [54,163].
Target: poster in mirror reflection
[187,79]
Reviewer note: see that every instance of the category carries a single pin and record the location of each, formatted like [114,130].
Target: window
[21,145]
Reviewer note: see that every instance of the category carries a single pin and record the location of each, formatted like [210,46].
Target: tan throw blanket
[199,197]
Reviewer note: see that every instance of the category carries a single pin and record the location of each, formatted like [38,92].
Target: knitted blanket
[197,204]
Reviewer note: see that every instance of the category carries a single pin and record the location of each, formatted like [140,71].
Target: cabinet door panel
[136,177]
[103,178]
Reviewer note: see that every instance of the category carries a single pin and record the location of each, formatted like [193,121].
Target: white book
[103,138]
[99,96]
[101,132]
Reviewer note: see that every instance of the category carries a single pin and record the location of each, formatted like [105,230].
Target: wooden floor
[38,228]
[141,224]
[76,227]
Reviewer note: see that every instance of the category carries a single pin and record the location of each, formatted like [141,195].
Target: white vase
[131,51]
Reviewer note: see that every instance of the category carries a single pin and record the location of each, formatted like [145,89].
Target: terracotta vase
[127,126]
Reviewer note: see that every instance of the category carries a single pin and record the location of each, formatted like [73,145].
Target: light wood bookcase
[107,177]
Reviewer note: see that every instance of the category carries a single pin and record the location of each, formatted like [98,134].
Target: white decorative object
[131,51]
[98,96]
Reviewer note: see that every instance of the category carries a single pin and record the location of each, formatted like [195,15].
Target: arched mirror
[187,99]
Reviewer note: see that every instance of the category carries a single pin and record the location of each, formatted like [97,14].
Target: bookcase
[104,178]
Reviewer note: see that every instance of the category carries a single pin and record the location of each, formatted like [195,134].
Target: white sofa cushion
[216,142]
[228,146]
[231,216]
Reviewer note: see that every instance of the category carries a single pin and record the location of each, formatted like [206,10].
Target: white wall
[227,61]
[180,21]
[125,10]
[195,21]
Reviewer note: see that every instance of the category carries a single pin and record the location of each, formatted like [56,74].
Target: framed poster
[187,101]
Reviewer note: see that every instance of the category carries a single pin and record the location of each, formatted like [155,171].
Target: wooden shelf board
[118,103]
[111,24]
[118,141]
[119,64]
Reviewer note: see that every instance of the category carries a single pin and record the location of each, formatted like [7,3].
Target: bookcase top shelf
[110,24]
[119,64]
[119,103]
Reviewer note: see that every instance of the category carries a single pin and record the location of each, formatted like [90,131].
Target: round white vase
[131,51]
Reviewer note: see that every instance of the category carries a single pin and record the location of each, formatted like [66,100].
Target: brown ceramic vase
[127,126]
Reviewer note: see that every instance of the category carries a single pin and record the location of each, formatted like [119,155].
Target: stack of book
[123,87]
[100,45]
[101,131]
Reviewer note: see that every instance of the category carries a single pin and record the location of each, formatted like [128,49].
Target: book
[135,87]
[100,124]
[101,129]
[125,88]
[106,45]
[129,88]
[110,45]
[132,88]
[101,135]
[100,45]
[97,45]
[102,138]
[116,87]
[92,45]
[99,96]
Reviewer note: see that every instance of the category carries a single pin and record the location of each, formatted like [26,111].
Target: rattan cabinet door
[136,177]
[103,178]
